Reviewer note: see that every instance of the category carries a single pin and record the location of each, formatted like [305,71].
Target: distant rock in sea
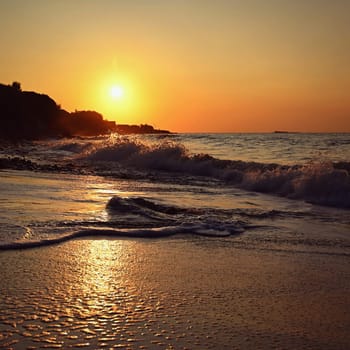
[285,132]
[138,129]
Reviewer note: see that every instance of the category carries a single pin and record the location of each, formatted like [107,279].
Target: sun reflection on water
[99,264]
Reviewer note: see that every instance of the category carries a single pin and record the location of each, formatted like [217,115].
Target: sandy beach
[172,294]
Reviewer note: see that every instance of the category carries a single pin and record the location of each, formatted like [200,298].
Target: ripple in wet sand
[137,295]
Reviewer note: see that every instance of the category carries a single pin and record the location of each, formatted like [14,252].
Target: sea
[268,191]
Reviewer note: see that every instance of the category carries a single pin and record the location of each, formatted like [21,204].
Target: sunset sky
[186,65]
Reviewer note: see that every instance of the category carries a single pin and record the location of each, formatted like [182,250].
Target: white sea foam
[147,233]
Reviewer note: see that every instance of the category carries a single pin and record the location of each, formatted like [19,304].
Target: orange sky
[186,65]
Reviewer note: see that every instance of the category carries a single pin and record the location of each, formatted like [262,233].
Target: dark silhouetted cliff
[31,116]
[26,115]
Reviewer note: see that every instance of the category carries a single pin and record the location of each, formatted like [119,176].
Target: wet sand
[172,294]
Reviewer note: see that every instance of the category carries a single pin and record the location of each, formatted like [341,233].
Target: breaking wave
[318,182]
[323,183]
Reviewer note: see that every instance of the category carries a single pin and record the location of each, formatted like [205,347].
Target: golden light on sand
[99,265]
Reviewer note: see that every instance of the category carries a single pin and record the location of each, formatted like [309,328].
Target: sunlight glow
[116,92]
[119,96]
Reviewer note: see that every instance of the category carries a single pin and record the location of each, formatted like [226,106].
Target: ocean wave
[139,205]
[150,219]
[143,212]
[73,147]
[323,183]
[319,182]
[214,223]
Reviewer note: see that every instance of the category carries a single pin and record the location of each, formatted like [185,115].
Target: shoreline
[172,293]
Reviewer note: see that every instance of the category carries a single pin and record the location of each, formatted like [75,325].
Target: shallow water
[54,190]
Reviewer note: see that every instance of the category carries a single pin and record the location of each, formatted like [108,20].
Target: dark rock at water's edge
[27,115]
[17,163]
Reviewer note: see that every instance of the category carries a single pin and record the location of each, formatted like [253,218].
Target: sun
[118,97]
[116,92]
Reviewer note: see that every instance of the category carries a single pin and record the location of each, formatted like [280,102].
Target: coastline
[172,293]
